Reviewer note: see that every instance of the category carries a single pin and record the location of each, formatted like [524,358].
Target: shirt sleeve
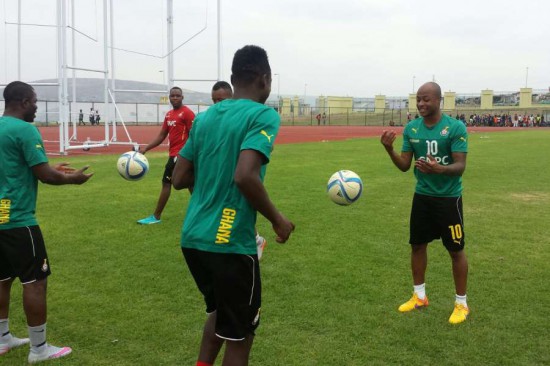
[406,143]
[459,140]
[33,147]
[188,150]
[262,133]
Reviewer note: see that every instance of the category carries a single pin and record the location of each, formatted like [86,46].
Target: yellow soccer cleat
[414,303]
[460,313]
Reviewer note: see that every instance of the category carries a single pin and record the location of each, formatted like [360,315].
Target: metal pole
[113,78]
[65,84]
[170,40]
[73,41]
[19,40]
[106,68]
[60,76]
[219,42]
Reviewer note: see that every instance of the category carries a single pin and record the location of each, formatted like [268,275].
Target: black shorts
[437,217]
[231,286]
[168,169]
[23,254]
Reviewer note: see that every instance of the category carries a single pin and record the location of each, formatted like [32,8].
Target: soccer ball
[344,187]
[132,165]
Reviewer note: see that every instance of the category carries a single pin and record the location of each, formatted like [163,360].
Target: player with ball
[176,127]
[439,144]
[222,161]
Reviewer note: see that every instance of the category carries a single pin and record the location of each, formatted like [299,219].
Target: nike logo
[413,129]
[456,242]
[266,135]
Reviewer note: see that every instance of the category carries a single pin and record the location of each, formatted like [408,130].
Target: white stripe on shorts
[253,278]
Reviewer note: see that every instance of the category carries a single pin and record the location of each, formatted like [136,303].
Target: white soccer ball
[132,165]
[344,187]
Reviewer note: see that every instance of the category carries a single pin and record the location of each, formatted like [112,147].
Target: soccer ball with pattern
[344,187]
[132,165]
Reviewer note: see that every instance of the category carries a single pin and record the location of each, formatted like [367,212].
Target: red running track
[287,135]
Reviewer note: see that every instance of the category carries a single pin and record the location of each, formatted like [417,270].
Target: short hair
[248,63]
[222,85]
[17,91]
[177,87]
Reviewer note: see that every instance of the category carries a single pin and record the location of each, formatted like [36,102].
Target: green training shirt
[21,148]
[440,141]
[219,218]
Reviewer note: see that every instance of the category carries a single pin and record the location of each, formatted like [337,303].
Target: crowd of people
[504,120]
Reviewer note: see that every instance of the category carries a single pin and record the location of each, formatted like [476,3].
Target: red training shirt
[178,123]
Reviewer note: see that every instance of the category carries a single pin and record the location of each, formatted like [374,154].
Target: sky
[358,48]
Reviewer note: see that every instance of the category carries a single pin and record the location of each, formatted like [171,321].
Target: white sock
[461,300]
[37,336]
[4,328]
[420,291]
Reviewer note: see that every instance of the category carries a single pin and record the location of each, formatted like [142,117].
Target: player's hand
[387,139]
[64,168]
[79,177]
[283,228]
[428,165]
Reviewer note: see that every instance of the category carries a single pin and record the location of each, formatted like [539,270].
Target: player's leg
[460,271]
[198,263]
[165,192]
[261,243]
[452,234]
[210,343]
[33,275]
[166,187]
[163,199]
[421,233]
[419,263]
[5,291]
[237,353]
[34,302]
[238,295]
[9,256]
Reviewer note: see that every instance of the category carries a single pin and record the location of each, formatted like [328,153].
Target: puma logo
[266,135]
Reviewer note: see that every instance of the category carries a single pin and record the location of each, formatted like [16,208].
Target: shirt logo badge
[266,135]
[45,266]
[413,130]
[445,131]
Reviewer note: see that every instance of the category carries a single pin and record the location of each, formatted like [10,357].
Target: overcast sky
[348,47]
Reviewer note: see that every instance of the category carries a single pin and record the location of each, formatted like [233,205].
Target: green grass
[120,294]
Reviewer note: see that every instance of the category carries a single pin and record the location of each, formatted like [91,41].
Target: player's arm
[60,174]
[430,166]
[401,161]
[156,142]
[247,179]
[183,175]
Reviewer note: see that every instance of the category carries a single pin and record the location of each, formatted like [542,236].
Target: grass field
[120,293]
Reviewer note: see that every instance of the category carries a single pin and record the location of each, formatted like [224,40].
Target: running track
[287,135]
